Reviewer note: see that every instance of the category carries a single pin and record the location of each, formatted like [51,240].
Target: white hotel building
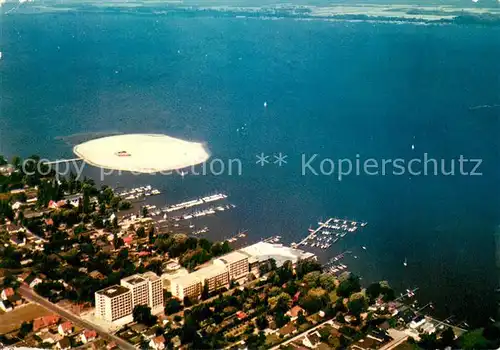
[116,303]
[233,266]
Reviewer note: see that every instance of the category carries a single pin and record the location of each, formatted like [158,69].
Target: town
[82,267]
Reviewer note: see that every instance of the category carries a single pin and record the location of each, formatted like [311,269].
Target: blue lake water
[335,89]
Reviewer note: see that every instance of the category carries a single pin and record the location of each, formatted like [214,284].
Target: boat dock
[330,232]
[333,266]
[314,232]
[139,192]
[195,202]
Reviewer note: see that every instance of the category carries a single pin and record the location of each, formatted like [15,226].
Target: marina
[330,232]
[201,213]
[201,231]
[240,234]
[139,193]
[272,239]
[333,266]
[196,202]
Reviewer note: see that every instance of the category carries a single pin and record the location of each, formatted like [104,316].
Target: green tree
[26,328]
[173,306]
[301,319]
[205,293]
[357,304]
[141,232]
[262,322]
[348,286]
[373,291]
[448,338]
[142,314]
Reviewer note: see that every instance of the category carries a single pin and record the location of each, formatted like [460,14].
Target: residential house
[88,335]
[150,333]
[97,275]
[288,329]
[312,340]
[16,205]
[20,242]
[57,205]
[111,346]
[13,228]
[294,312]
[417,322]
[176,342]
[45,321]
[6,306]
[157,343]
[98,344]
[32,281]
[26,262]
[241,315]
[23,276]
[6,293]
[48,337]
[15,300]
[65,328]
[63,344]
[127,240]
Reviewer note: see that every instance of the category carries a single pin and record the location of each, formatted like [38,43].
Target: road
[29,294]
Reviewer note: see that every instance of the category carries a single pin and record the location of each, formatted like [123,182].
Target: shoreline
[430,14]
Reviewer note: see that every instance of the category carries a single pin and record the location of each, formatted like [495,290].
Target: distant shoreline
[431,14]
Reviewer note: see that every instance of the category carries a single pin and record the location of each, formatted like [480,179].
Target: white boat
[405,263]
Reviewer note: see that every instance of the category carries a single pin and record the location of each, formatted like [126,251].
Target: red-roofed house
[6,293]
[49,222]
[56,205]
[45,321]
[111,345]
[87,336]
[65,328]
[158,343]
[127,240]
[241,315]
[143,253]
[294,312]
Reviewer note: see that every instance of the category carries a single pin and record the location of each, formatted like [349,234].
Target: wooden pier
[321,227]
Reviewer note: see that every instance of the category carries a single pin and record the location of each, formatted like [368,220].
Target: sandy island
[142,153]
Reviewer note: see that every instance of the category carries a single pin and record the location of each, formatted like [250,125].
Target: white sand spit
[142,153]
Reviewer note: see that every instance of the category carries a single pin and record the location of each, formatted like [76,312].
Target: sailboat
[405,263]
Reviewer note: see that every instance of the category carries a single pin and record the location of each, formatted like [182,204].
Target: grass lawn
[272,339]
[10,321]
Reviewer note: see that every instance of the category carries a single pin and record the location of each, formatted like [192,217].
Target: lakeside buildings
[234,266]
[116,303]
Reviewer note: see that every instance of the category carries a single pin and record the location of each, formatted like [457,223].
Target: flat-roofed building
[147,289]
[139,287]
[236,263]
[155,287]
[216,276]
[114,304]
[186,286]
[261,252]
[168,276]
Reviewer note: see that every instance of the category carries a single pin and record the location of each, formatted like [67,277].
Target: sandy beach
[142,153]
